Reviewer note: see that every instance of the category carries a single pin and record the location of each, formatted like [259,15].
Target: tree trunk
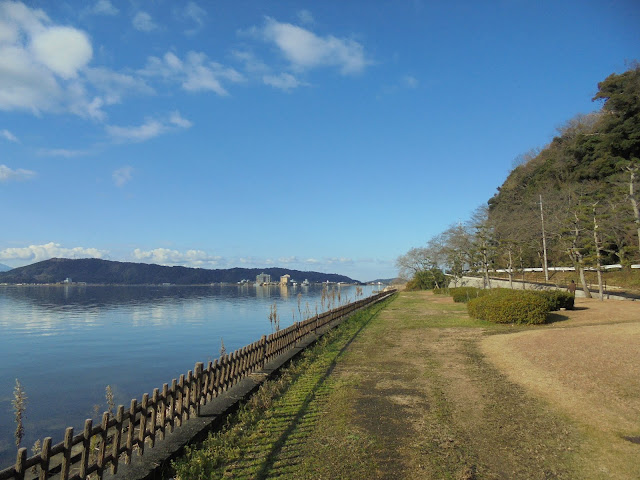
[634,200]
[545,264]
[583,280]
[510,271]
[598,256]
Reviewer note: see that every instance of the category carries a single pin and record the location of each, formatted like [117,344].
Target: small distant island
[95,271]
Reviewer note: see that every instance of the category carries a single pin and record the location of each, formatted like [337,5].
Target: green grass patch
[266,437]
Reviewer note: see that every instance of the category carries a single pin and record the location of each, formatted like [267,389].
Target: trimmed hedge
[441,291]
[510,306]
[464,294]
[557,299]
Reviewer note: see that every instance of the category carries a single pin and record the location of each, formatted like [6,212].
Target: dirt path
[421,391]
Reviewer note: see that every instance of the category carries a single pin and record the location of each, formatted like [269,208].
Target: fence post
[103,443]
[117,439]
[189,386]
[180,400]
[86,448]
[21,459]
[143,423]
[154,416]
[130,432]
[163,412]
[263,343]
[198,390]
[44,458]
[172,408]
[66,459]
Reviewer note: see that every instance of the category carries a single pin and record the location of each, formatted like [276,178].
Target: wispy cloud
[165,256]
[283,81]
[195,72]
[143,22]
[179,121]
[305,50]
[251,63]
[103,7]
[7,174]
[410,81]
[122,175]
[192,12]
[9,136]
[37,253]
[114,86]
[62,152]
[149,129]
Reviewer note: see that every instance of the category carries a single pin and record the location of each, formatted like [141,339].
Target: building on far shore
[263,278]
[284,280]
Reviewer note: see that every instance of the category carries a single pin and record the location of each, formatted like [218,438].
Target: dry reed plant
[19,404]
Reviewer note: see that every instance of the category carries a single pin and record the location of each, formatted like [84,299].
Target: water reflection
[67,343]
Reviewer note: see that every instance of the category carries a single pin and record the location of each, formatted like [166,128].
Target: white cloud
[340,260]
[122,176]
[287,260]
[165,256]
[114,86]
[142,21]
[148,130]
[38,253]
[7,174]
[304,49]
[194,13]
[104,7]
[179,121]
[44,67]
[284,81]
[9,136]
[62,152]
[195,73]
[64,50]
[251,63]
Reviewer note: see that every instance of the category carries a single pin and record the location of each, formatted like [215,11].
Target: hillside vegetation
[574,201]
[96,271]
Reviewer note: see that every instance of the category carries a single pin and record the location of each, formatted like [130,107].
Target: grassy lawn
[416,389]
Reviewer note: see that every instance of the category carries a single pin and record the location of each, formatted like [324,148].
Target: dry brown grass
[588,368]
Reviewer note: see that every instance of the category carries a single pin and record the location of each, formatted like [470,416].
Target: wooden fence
[122,433]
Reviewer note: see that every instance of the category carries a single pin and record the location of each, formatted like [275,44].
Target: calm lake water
[66,344]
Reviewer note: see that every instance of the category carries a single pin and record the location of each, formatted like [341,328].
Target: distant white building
[284,280]
[263,278]
[67,280]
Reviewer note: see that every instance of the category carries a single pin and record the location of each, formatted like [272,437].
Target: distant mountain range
[4,268]
[96,271]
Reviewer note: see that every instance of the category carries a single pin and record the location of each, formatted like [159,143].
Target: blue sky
[329,136]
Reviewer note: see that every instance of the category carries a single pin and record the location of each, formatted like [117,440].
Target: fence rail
[123,433]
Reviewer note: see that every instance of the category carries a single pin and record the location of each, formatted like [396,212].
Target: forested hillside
[96,271]
[577,196]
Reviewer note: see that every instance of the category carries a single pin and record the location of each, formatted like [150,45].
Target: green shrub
[557,299]
[441,291]
[463,294]
[510,306]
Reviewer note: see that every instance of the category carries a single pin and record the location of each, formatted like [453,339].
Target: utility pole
[544,244]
